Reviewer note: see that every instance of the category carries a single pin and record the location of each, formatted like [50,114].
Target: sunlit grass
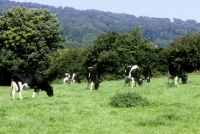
[74,109]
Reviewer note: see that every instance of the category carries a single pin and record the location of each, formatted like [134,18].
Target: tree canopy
[26,36]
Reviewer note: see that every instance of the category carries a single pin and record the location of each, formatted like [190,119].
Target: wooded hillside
[81,27]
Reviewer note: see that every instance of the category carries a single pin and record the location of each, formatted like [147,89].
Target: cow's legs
[20,90]
[13,88]
[73,81]
[127,81]
[148,80]
[133,82]
[91,85]
[20,95]
[64,81]
[13,94]
[176,80]
[36,91]
[33,95]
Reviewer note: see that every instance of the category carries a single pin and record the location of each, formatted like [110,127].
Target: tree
[28,35]
[186,50]
[113,51]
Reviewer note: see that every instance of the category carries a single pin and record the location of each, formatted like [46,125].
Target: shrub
[129,99]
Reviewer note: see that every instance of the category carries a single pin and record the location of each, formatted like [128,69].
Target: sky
[179,9]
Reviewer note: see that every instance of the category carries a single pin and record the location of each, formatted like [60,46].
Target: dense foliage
[112,51]
[26,37]
[186,50]
[30,39]
[81,27]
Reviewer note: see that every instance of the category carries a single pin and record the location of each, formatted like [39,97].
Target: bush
[129,99]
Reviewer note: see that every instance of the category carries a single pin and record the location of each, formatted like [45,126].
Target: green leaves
[29,34]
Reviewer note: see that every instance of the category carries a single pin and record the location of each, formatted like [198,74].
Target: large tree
[26,36]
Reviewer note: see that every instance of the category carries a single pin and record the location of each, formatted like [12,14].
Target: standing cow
[92,77]
[66,77]
[34,80]
[147,74]
[132,73]
[175,72]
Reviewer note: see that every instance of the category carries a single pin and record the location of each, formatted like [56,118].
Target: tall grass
[74,109]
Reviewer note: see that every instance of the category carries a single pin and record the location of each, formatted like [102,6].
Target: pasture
[73,109]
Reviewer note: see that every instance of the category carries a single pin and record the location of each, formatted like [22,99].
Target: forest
[81,27]
[35,39]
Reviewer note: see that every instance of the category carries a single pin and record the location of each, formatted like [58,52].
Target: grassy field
[75,110]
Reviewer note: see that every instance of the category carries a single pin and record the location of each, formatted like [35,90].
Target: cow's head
[184,79]
[140,81]
[50,91]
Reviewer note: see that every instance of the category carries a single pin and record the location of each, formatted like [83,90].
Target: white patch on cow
[90,67]
[15,88]
[73,78]
[133,82]
[132,68]
[91,85]
[89,72]
[174,78]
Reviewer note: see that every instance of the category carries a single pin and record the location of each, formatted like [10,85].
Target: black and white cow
[175,72]
[66,77]
[147,74]
[92,77]
[33,80]
[72,77]
[132,73]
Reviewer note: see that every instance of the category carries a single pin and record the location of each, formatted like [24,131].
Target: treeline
[112,51]
[82,27]
[30,39]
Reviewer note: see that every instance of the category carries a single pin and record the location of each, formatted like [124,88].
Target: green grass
[73,109]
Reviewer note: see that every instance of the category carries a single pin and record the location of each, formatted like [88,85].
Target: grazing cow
[147,74]
[92,77]
[35,80]
[73,77]
[175,72]
[132,73]
[66,77]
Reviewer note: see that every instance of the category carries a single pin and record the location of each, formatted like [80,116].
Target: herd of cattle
[132,74]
